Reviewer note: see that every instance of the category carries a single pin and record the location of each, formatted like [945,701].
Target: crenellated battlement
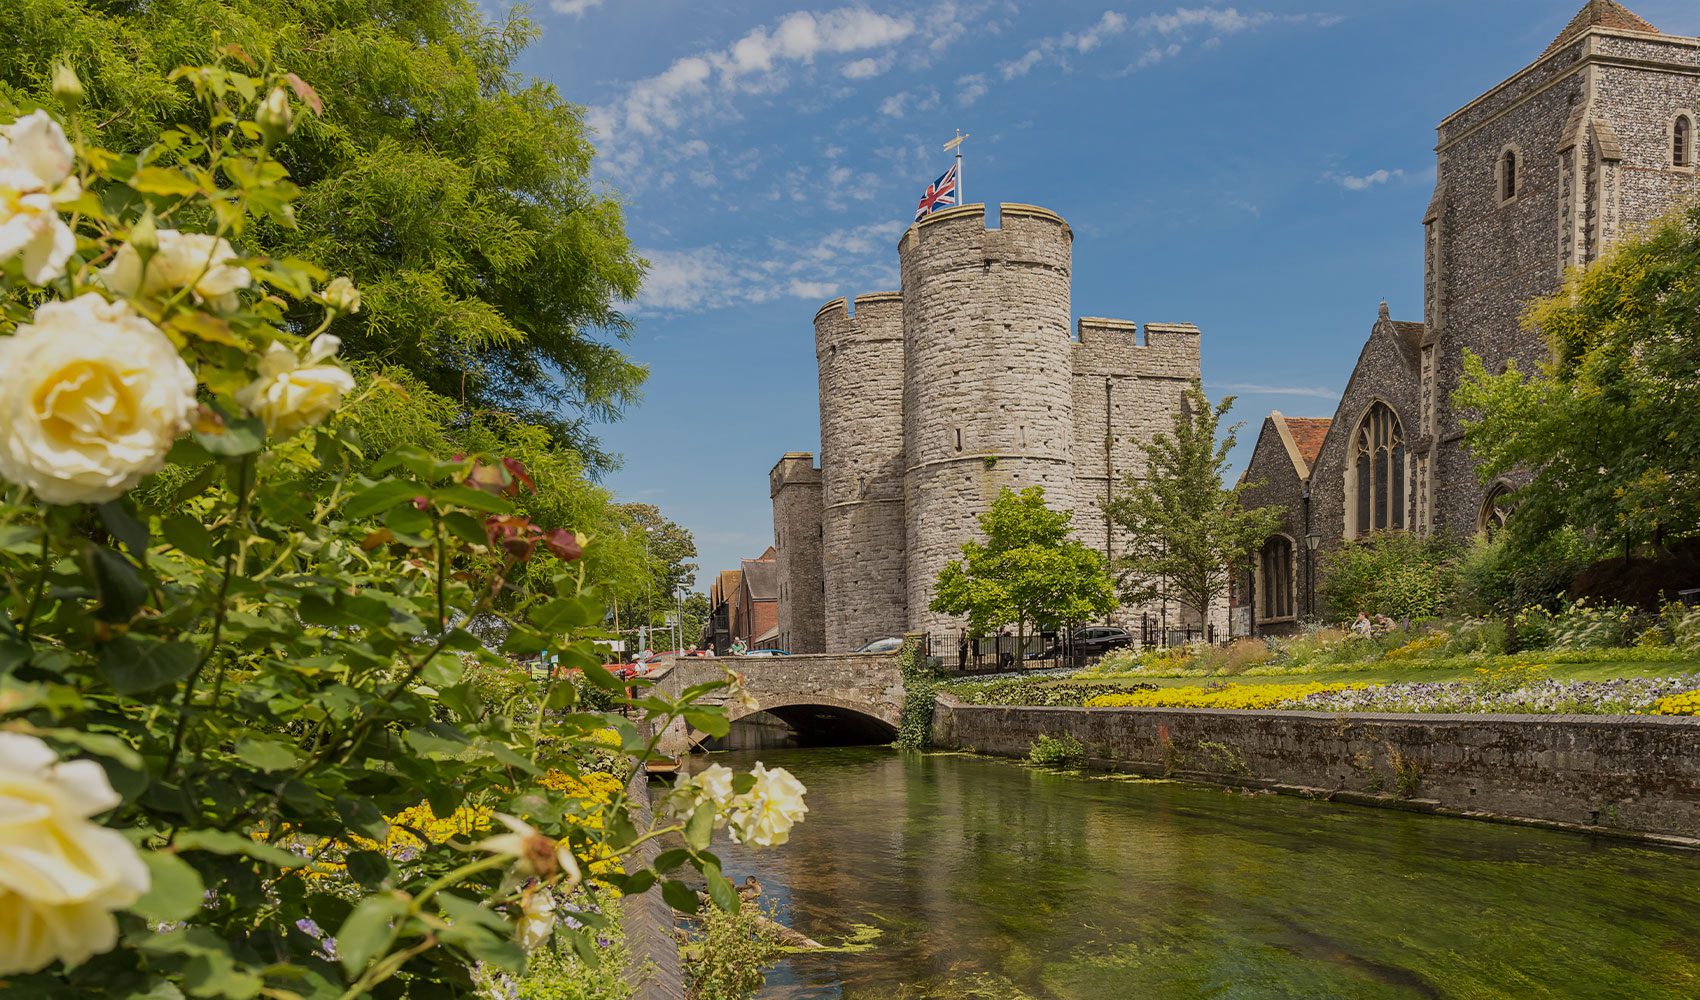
[968,381]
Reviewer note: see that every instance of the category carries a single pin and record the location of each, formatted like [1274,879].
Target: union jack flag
[940,194]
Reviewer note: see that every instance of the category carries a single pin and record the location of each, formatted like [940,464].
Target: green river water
[987,879]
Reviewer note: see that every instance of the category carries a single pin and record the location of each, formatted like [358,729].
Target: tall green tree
[669,559]
[1186,528]
[455,193]
[1027,571]
[1609,427]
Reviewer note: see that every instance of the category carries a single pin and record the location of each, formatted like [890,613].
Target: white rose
[293,393]
[35,178]
[710,786]
[536,918]
[765,814]
[91,397]
[197,261]
[61,876]
[342,296]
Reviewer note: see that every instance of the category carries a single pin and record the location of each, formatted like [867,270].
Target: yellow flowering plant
[238,652]
[1232,696]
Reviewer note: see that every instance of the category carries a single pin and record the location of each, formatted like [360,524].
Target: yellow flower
[294,393]
[61,876]
[91,397]
[199,262]
[1244,697]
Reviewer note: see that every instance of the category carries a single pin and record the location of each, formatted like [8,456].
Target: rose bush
[243,660]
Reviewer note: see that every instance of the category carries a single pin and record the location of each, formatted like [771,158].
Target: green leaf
[720,888]
[409,521]
[599,676]
[121,522]
[465,527]
[710,721]
[118,584]
[363,816]
[175,889]
[566,613]
[679,896]
[668,860]
[135,665]
[466,496]
[189,536]
[235,439]
[699,832]
[225,843]
[369,868]
[366,932]
[379,497]
[266,755]
[161,181]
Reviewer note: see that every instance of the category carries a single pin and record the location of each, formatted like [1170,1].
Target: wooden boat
[667,768]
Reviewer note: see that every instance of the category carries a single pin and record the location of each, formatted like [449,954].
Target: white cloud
[906,101]
[704,84]
[1366,181]
[970,88]
[1221,20]
[1060,46]
[576,8]
[840,262]
[1154,55]
[863,69]
[1316,392]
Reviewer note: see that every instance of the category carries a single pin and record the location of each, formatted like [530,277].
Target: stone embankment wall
[1630,775]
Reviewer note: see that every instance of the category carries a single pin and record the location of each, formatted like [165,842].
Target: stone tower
[936,398]
[860,358]
[1539,174]
[987,402]
[795,488]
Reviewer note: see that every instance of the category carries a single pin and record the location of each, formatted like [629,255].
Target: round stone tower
[861,420]
[987,395]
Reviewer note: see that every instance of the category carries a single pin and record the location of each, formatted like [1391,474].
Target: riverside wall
[1623,775]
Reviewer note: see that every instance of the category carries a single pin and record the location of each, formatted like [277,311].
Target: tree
[456,194]
[669,553]
[1027,570]
[1609,428]
[1185,528]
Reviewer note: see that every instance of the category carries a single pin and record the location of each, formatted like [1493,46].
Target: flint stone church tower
[1540,174]
[936,398]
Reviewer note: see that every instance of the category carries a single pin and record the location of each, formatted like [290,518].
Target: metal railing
[961,654]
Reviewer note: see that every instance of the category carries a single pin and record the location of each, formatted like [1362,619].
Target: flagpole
[956,144]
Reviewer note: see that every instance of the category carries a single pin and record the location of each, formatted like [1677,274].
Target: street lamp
[1312,540]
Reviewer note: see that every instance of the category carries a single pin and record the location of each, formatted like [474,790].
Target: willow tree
[455,193]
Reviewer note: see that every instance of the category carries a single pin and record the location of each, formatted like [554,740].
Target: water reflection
[990,880]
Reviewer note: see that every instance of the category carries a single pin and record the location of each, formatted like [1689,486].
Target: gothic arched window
[1682,142]
[1378,473]
[1508,175]
[1496,510]
[1275,577]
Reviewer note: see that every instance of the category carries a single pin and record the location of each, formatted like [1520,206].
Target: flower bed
[1515,691]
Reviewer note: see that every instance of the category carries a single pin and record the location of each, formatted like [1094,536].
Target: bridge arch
[808,700]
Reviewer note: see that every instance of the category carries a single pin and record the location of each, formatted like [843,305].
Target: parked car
[768,652]
[1093,640]
[890,644]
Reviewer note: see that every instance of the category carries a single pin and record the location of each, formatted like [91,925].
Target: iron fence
[960,653]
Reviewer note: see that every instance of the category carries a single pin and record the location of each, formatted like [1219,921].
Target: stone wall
[1631,775]
[1276,482]
[860,359]
[866,683]
[794,486]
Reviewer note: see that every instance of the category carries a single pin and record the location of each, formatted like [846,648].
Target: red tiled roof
[1309,433]
[1600,14]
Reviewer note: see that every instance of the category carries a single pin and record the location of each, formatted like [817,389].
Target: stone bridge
[823,698]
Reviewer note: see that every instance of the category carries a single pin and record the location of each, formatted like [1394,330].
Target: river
[987,880]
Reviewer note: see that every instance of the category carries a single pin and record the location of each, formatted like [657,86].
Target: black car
[1096,640]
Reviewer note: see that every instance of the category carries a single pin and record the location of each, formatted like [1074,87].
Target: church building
[1540,174]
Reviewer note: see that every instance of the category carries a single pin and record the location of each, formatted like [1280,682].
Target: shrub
[1056,751]
[1034,691]
[1235,658]
[729,951]
[1684,624]
[1584,625]
[1477,636]
[1398,574]
[1496,577]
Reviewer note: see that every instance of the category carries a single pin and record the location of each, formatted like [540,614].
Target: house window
[1275,572]
[1508,175]
[1378,479]
[1682,142]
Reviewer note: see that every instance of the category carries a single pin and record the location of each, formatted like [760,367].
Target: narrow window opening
[1508,175]
[1682,138]
[959,439]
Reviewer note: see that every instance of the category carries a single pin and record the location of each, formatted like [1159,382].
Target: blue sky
[1259,169]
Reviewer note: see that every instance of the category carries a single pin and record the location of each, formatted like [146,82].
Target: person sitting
[1363,626]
